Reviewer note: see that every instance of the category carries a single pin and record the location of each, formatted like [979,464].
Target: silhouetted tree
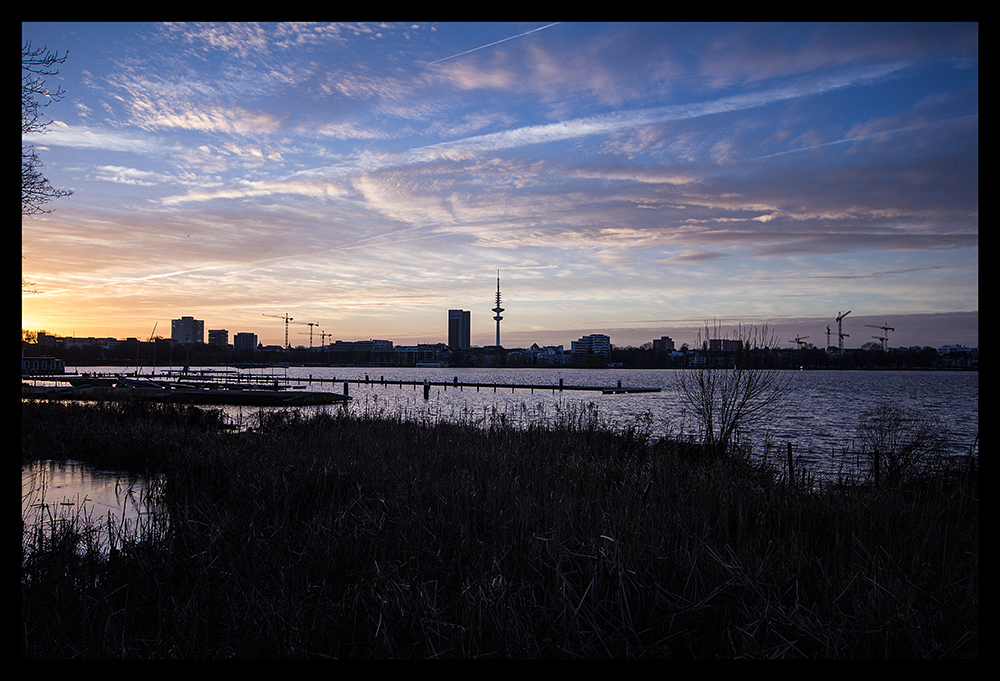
[35,94]
[742,390]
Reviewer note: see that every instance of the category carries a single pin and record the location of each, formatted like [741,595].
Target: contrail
[593,125]
[534,30]
[850,140]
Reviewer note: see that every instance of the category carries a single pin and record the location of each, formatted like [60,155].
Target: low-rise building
[218,337]
[359,353]
[42,365]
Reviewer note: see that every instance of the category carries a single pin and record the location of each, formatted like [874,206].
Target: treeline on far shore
[869,356]
[134,353]
[340,535]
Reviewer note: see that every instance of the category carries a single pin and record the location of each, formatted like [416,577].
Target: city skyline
[635,180]
[862,328]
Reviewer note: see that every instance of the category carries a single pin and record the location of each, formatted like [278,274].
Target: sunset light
[635,180]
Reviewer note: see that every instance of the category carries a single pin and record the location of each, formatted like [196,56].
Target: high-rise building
[218,337]
[187,330]
[459,325]
[595,343]
[245,342]
[665,343]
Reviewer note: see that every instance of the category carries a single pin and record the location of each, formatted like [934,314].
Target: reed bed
[363,535]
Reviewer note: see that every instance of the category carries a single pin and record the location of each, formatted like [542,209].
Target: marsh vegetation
[340,535]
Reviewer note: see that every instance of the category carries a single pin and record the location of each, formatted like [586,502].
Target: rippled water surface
[820,420]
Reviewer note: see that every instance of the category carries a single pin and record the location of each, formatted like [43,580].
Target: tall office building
[459,325]
[245,342]
[187,330]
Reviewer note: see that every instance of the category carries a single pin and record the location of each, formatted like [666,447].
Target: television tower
[498,309]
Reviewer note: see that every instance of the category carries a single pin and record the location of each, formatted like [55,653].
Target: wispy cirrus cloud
[309,188]
[690,169]
[469,147]
[608,123]
[83,137]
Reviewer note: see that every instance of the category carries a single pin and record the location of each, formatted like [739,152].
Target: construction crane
[310,325]
[799,341]
[885,336]
[323,335]
[840,328]
[287,319]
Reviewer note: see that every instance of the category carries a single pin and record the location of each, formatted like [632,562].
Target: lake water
[52,492]
[820,420]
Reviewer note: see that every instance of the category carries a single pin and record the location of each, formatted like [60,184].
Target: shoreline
[350,536]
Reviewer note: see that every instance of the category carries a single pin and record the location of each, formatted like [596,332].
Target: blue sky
[632,179]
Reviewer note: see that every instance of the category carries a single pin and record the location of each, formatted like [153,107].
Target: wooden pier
[229,379]
[462,385]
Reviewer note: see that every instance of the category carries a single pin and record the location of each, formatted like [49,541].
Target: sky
[638,180]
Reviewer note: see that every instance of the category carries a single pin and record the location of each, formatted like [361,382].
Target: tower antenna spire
[498,309]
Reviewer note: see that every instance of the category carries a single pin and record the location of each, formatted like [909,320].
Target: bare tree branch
[35,95]
[739,389]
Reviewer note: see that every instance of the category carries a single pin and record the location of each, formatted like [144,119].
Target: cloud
[877,131]
[608,123]
[314,189]
[125,175]
[152,115]
[82,137]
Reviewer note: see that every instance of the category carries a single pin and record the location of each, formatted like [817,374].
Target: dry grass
[373,537]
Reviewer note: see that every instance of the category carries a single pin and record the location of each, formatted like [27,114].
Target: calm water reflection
[52,492]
